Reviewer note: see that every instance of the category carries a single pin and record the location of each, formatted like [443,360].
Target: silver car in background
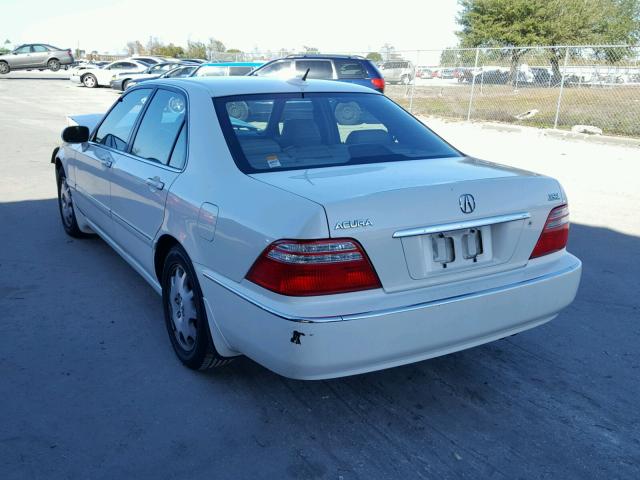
[398,71]
[35,55]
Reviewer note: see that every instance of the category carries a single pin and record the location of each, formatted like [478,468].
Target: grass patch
[616,109]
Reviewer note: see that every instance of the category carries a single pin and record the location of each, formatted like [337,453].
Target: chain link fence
[595,88]
[587,88]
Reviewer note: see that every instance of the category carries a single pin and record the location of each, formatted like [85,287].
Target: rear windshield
[299,131]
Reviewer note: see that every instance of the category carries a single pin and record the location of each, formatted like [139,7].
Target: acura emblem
[467,203]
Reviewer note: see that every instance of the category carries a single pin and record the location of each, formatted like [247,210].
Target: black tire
[198,353]
[68,217]
[405,79]
[53,64]
[89,80]
[125,84]
[4,68]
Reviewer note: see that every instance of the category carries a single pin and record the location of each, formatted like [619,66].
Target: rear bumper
[340,346]
[117,84]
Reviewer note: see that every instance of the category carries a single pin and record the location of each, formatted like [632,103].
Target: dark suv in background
[342,68]
[35,55]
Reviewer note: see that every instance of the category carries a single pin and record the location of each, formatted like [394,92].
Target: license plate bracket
[458,248]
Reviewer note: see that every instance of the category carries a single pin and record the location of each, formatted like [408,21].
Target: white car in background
[95,76]
[326,233]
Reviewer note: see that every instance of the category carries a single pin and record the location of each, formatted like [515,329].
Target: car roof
[324,56]
[232,64]
[228,86]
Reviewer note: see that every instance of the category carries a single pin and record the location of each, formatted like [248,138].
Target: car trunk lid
[432,221]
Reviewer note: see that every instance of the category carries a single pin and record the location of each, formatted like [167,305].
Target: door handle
[155,183]
[107,163]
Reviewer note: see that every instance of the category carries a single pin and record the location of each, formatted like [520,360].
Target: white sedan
[313,226]
[95,76]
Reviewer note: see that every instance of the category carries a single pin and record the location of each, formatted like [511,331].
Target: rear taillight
[314,267]
[378,84]
[555,233]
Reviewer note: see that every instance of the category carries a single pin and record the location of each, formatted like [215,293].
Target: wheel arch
[162,247]
[54,157]
[85,74]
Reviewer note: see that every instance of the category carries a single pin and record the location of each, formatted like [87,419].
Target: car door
[39,55]
[112,71]
[141,179]
[95,159]
[21,57]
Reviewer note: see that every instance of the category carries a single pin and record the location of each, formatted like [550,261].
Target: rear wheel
[89,80]
[405,80]
[125,85]
[185,314]
[4,68]
[53,65]
[65,206]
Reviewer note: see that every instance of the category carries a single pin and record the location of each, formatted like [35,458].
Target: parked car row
[128,72]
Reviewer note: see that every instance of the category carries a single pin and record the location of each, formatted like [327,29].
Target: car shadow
[32,78]
[559,399]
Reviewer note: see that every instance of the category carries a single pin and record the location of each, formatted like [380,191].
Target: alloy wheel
[66,203]
[182,308]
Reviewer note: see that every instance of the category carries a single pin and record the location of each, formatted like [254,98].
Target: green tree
[171,50]
[154,46]
[523,23]
[196,50]
[375,57]
[214,48]
[136,48]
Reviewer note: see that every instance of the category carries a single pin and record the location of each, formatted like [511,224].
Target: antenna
[304,77]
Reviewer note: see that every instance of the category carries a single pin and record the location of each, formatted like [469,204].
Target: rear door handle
[155,183]
[107,163]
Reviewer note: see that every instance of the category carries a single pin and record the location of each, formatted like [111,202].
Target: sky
[329,25]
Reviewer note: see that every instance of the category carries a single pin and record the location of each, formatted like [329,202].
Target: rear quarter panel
[251,214]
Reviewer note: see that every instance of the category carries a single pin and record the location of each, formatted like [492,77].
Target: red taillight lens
[314,267]
[555,233]
[378,83]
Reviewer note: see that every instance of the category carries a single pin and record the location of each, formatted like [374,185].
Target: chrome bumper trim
[448,227]
[389,311]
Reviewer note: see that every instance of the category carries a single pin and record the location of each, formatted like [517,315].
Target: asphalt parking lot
[90,387]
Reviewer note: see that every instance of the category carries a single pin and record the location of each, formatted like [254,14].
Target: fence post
[564,71]
[473,83]
[413,81]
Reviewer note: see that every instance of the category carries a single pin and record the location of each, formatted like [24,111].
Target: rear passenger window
[317,68]
[115,130]
[160,126]
[237,71]
[350,69]
[39,48]
[276,68]
[179,154]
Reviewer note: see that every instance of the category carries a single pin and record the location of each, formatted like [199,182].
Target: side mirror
[75,134]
